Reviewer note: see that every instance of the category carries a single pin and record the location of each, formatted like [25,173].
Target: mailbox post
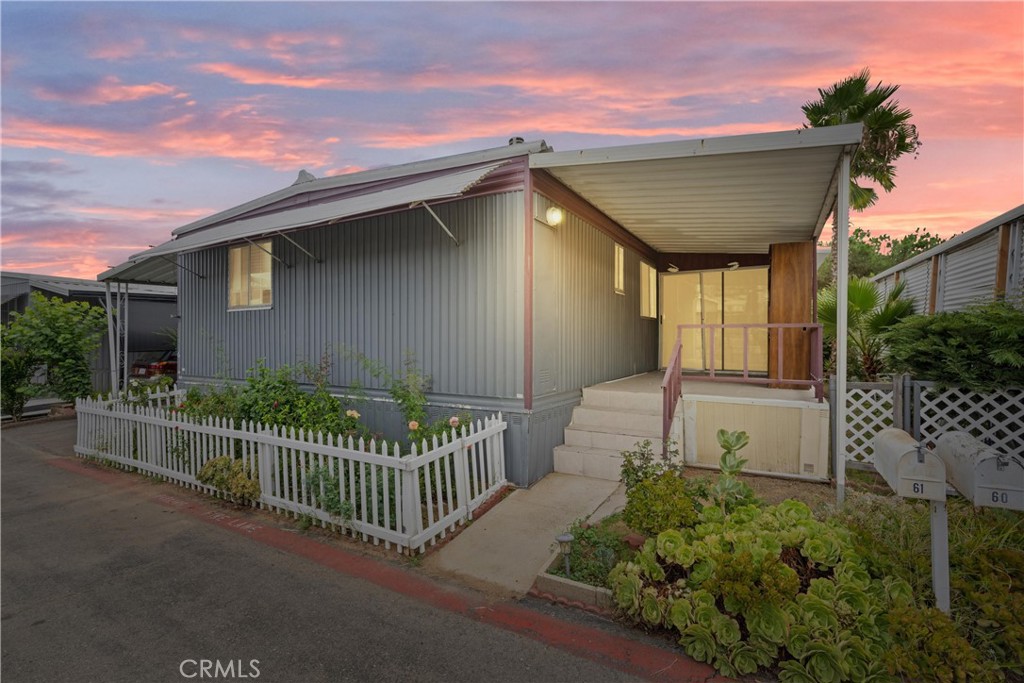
[913,471]
[982,474]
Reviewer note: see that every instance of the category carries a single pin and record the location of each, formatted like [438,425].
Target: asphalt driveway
[117,577]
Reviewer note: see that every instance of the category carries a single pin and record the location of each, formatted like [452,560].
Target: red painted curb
[631,656]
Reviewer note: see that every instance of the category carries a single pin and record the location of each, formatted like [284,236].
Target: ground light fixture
[554,216]
[565,546]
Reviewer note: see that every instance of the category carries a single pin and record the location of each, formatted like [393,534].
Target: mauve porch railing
[671,385]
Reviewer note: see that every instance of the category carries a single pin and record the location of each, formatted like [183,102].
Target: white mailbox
[981,473]
[912,471]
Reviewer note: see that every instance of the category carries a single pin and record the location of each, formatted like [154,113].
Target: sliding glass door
[716,297]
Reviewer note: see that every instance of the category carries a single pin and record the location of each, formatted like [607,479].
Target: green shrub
[16,370]
[596,549]
[275,397]
[758,588]
[986,564]
[229,476]
[664,502]
[63,335]
[926,646]
[980,347]
[642,463]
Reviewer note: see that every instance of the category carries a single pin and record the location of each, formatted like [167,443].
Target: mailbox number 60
[1000,497]
[918,487]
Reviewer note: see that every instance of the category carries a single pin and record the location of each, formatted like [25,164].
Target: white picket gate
[410,500]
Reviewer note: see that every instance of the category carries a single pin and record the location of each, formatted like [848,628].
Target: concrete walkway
[505,549]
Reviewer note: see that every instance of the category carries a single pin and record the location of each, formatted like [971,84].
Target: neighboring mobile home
[151,313]
[974,267]
[518,275]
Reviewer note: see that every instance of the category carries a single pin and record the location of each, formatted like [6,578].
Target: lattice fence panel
[868,411]
[997,416]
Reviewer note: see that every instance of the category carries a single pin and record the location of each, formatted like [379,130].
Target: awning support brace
[175,262]
[297,246]
[268,252]
[436,218]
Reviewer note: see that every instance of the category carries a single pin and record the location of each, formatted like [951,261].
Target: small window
[249,275]
[648,291]
[620,269]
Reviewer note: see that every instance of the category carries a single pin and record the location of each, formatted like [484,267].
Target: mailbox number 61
[918,487]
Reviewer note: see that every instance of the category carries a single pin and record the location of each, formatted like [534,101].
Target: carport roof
[733,194]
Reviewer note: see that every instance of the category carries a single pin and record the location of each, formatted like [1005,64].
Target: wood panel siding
[791,282]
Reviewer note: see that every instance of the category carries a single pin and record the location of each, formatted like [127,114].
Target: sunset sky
[122,121]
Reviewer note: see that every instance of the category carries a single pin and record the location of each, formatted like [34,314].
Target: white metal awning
[733,194]
[158,265]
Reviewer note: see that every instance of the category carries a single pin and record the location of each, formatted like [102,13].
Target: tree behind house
[63,336]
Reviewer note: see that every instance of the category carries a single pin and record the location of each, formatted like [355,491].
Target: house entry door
[715,297]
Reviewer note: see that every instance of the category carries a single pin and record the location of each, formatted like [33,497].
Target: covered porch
[788,427]
[729,228]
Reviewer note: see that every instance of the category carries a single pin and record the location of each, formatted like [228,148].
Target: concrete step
[600,397]
[618,418]
[590,436]
[598,463]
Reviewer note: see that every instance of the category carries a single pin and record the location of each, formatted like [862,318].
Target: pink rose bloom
[454,422]
[413,426]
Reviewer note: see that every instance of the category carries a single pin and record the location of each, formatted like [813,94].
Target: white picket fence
[409,500]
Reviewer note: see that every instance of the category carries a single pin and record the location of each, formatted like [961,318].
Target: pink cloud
[136,213]
[254,76]
[109,90]
[119,49]
[236,132]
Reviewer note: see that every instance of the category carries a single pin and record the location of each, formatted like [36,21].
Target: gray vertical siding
[385,286]
[918,279]
[584,333]
[968,274]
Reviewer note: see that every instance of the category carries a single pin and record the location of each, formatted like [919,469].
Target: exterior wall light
[554,216]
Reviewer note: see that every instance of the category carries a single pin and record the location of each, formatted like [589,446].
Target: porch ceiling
[734,194]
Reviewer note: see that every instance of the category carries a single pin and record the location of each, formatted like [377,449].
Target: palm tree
[888,134]
[869,314]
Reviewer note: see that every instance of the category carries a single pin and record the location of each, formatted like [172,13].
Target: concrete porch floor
[650,383]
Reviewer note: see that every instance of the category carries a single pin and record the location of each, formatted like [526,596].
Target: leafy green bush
[229,476]
[596,549]
[664,502]
[757,588]
[16,370]
[986,564]
[325,489]
[642,463]
[980,347]
[63,335]
[274,397]
[926,646]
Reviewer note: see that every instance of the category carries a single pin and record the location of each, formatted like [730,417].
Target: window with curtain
[249,275]
[648,291]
